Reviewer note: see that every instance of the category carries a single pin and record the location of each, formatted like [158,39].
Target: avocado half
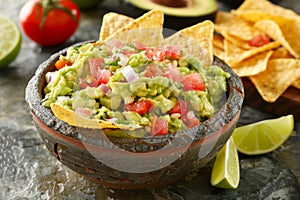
[181,17]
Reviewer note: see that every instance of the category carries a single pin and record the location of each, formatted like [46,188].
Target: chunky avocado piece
[177,18]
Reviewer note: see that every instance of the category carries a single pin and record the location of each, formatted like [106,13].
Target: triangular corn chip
[287,36]
[197,40]
[234,54]
[235,26]
[146,29]
[296,83]
[265,6]
[253,65]
[281,52]
[74,119]
[280,74]
[111,23]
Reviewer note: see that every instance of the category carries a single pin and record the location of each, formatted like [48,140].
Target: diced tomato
[141,107]
[193,82]
[140,46]
[100,75]
[128,53]
[83,83]
[95,64]
[259,40]
[89,81]
[152,70]
[173,52]
[155,54]
[62,63]
[159,54]
[172,72]
[190,81]
[180,107]
[193,122]
[187,116]
[159,126]
[92,81]
[190,120]
[103,76]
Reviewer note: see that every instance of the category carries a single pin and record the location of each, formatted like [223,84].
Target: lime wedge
[226,171]
[10,42]
[264,136]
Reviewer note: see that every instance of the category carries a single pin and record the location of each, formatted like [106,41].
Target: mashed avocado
[160,90]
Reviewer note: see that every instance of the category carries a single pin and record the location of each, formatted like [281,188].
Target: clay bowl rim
[233,104]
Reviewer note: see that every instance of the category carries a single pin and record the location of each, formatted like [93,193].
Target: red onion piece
[130,74]
[107,91]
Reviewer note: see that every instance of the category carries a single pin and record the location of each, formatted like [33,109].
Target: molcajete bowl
[129,162]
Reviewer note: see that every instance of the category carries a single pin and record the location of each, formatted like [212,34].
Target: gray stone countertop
[28,171]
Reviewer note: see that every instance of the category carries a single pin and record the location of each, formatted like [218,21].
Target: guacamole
[156,90]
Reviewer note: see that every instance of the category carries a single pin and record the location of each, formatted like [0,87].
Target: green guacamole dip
[157,90]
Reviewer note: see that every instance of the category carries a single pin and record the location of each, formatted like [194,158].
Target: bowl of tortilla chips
[152,152]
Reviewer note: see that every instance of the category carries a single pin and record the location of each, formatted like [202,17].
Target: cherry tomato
[159,126]
[49,22]
[259,40]
[141,107]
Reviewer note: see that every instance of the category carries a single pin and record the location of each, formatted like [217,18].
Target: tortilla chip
[262,64]
[218,41]
[197,40]
[253,65]
[279,75]
[235,26]
[220,53]
[74,119]
[146,29]
[288,34]
[237,41]
[281,52]
[234,54]
[296,83]
[265,6]
[112,22]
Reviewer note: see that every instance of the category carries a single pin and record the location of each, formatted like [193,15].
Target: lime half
[10,41]
[226,171]
[264,136]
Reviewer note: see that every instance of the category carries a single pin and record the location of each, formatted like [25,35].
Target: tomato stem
[49,5]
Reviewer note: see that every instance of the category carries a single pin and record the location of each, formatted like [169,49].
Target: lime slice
[264,136]
[10,42]
[226,171]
